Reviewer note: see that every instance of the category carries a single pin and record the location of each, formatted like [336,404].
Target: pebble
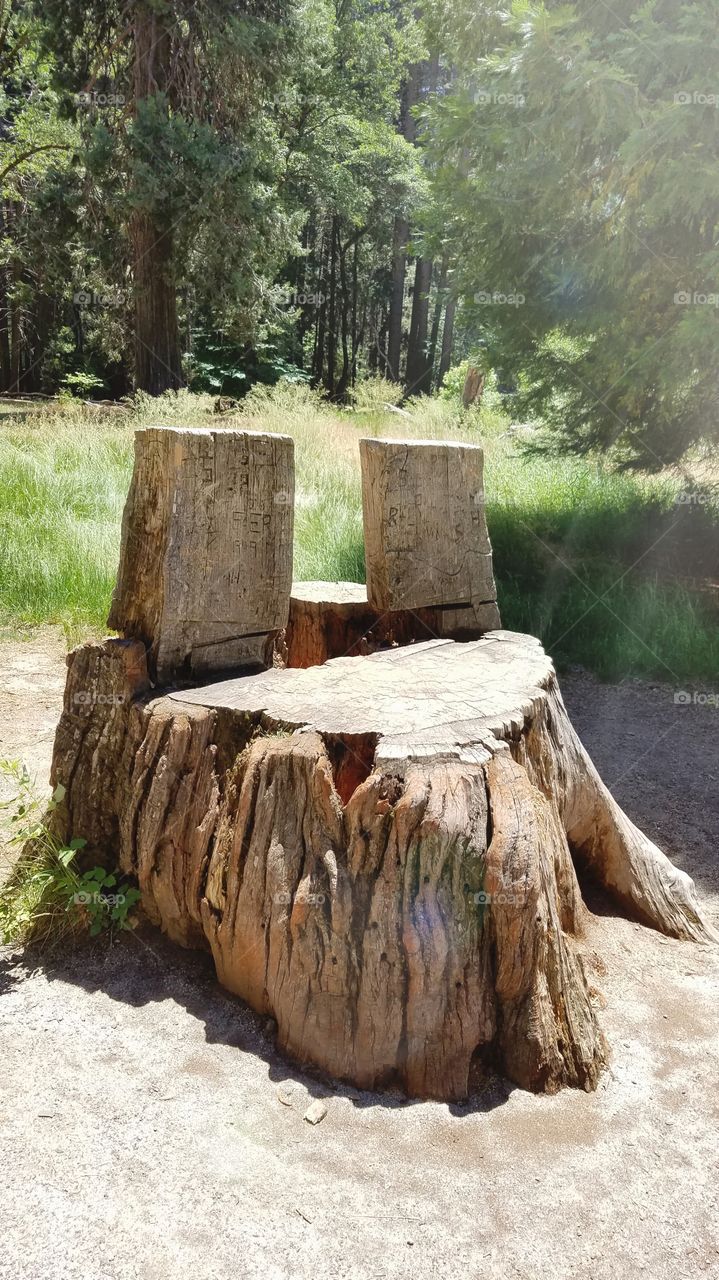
[316,1111]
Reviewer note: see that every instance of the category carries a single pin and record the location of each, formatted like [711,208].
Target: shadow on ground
[144,967]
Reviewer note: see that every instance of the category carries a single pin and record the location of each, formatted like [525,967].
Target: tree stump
[335,620]
[378,851]
[473,387]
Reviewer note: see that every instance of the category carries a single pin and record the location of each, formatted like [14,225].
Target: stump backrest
[425,531]
[206,556]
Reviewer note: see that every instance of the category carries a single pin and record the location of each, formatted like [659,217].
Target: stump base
[377,851]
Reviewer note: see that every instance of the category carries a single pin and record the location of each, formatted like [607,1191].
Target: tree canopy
[216,192]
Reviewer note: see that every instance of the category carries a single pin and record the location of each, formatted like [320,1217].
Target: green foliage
[225,368]
[46,899]
[63,480]
[576,169]
[600,565]
[82,384]
[559,165]
[257,136]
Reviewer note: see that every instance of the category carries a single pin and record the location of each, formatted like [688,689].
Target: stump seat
[379,850]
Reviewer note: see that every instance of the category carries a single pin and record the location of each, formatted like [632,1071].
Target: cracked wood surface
[435,696]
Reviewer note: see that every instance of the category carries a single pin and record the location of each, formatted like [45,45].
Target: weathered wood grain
[206,556]
[378,851]
[425,531]
[335,619]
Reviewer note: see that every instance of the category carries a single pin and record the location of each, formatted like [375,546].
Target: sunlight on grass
[566,532]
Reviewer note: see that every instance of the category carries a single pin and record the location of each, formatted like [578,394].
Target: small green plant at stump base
[46,899]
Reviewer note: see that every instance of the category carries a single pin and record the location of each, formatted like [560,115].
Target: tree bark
[4,306]
[345,301]
[355,334]
[332,312]
[400,238]
[437,317]
[418,373]
[318,358]
[335,620]
[389,876]
[14,327]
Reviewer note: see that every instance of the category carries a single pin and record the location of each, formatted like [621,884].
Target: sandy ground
[143,1135]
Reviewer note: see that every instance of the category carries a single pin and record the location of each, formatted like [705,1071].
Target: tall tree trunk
[15,339]
[341,389]
[332,314]
[445,358]
[4,309]
[44,315]
[318,358]
[418,375]
[158,365]
[355,335]
[382,342]
[362,329]
[396,303]
[400,236]
[437,317]
[307,309]
[373,352]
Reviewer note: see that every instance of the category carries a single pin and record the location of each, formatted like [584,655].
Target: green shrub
[376,393]
[45,899]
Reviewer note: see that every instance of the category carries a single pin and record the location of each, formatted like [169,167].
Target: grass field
[614,572]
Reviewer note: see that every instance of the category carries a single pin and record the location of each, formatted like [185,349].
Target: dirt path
[144,1139]
[32,679]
